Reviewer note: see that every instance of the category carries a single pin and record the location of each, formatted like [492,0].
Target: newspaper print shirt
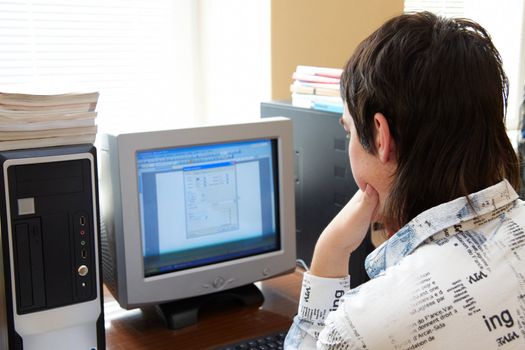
[452,278]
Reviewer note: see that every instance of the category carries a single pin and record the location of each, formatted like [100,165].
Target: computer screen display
[196,211]
[205,204]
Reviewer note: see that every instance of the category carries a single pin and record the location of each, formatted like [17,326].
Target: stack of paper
[30,121]
[317,88]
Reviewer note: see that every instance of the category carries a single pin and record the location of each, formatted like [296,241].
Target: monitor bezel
[140,290]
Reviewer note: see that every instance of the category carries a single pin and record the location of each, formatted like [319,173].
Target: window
[155,63]
[447,8]
[504,20]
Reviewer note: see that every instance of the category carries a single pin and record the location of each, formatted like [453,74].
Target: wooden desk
[144,329]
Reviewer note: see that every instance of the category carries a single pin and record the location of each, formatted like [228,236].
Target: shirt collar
[434,220]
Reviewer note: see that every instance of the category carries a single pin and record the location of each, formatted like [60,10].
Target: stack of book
[317,88]
[31,121]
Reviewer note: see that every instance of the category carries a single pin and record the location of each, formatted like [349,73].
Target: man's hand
[344,234]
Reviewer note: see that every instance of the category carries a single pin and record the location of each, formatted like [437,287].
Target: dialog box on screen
[211,199]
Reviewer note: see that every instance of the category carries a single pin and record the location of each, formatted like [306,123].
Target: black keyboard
[272,341]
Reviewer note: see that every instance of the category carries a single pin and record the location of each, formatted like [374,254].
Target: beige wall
[320,33]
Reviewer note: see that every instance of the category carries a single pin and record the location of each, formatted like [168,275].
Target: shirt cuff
[320,295]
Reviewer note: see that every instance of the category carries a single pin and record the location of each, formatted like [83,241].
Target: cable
[302,264]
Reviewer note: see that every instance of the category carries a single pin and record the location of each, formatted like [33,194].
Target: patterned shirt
[452,278]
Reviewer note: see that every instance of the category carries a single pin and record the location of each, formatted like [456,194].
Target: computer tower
[50,285]
[323,178]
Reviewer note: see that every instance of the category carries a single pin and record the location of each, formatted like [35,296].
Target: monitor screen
[205,204]
[194,211]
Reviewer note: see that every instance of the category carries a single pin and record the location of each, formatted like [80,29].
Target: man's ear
[385,145]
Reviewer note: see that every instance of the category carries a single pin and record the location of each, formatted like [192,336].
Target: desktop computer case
[323,178]
[50,285]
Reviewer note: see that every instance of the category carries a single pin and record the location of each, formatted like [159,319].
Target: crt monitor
[196,211]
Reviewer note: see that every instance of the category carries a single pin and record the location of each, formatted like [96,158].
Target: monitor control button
[218,282]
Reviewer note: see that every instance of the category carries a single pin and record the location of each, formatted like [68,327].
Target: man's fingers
[370,197]
[366,202]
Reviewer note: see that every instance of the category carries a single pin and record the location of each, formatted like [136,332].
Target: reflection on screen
[206,204]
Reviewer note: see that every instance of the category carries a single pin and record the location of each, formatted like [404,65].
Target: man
[425,100]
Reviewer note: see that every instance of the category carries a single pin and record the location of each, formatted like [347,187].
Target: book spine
[321,71]
[328,107]
[314,78]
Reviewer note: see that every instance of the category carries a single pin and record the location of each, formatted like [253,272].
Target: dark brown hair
[441,86]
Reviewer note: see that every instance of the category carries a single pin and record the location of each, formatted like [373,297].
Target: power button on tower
[83,270]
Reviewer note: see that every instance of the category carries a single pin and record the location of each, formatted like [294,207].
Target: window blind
[446,8]
[131,51]
[504,20]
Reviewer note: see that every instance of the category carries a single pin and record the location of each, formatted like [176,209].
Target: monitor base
[182,313]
